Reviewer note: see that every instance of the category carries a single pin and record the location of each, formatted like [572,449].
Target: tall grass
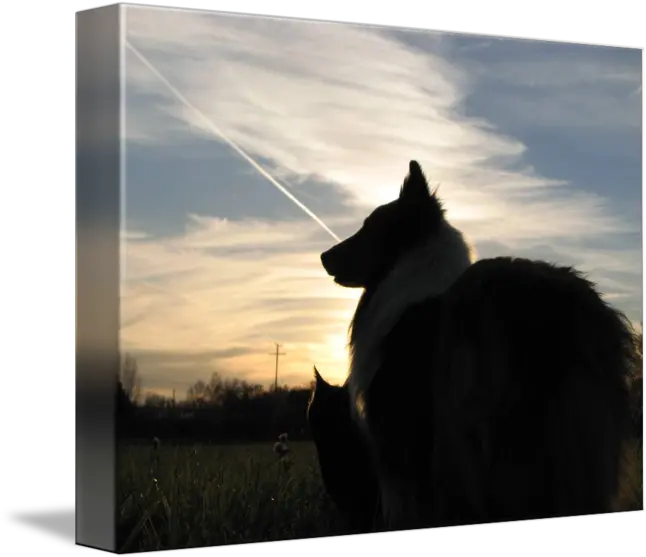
[189,496]
[192,496]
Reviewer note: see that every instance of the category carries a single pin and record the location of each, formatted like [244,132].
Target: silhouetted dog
[483,391]
[343,457]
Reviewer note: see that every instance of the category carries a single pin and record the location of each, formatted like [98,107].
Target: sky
[535,146]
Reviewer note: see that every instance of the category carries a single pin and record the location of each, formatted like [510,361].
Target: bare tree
[156,400]
[130,378]
[219,390]
[196,393]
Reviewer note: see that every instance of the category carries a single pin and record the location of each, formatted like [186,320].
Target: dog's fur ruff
[484,391]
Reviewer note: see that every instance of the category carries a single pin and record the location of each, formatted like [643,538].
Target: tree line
[222,410]
[218,410]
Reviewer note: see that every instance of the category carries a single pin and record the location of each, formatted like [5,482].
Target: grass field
[191,496]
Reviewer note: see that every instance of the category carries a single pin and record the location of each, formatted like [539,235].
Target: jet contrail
[217,131]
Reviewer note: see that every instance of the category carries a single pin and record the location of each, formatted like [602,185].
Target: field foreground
[203,495]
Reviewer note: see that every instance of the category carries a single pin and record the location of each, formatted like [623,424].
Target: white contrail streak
[217,131]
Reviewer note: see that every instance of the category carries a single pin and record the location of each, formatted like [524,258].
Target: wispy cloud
[205,121]
[570,87]
[345,106]
[216,287]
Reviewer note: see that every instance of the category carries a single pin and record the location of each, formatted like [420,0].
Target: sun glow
[338,346]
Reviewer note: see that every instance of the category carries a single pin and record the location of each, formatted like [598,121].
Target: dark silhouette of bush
[222,410]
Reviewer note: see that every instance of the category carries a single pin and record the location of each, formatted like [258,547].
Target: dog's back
[485,391]
[503,399]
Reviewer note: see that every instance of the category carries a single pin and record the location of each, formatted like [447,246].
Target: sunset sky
[536,147]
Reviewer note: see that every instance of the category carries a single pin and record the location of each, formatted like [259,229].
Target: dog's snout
[323,256]
[325,259]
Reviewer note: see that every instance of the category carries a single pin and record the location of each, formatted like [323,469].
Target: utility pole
[277,354]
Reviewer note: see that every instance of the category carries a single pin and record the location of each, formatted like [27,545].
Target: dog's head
[388,233]
[344,461]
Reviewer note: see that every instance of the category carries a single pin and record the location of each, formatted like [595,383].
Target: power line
[277,354]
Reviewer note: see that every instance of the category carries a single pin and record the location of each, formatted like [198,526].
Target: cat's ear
[321,383]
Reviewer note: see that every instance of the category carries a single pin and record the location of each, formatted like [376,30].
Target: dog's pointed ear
[320,382]
[415,186]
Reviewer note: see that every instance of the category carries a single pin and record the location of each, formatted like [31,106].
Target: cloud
[303,97]
[346,107]
[191,304]
[547,84]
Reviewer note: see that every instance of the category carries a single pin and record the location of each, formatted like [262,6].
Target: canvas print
[351,279]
